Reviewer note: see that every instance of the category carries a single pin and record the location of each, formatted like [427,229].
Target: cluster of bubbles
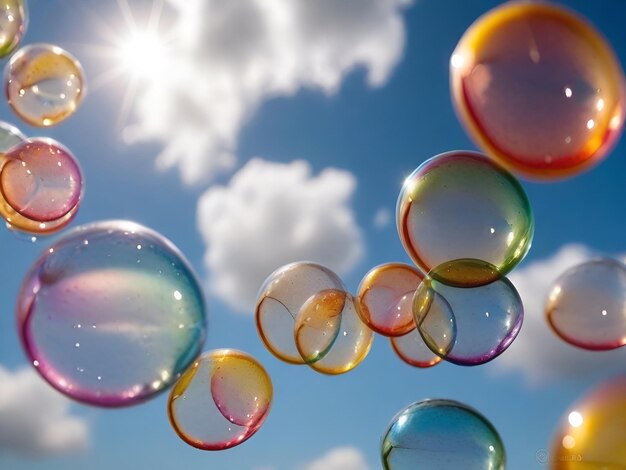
[41,183]
[591,434]
[112,315]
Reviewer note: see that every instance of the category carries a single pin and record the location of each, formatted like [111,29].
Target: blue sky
[374,116]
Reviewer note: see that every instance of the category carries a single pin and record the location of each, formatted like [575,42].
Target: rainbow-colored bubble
[44,84]
[221,400]
[41,186]
[13,22]
[467,326]
[464,215]
[111,314]
[539,89]
[591,434]
[587,305]
[442,435]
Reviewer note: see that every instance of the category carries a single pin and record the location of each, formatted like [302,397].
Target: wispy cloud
[35,419]
[340,458]
[225,58]
[272,214]
[537,352]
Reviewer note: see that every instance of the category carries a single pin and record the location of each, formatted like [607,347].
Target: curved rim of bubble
[377,270]
[19,221]
[548,314]
[110,400]
[13,129]
[268,345]
[57,50]
[25,20]
[508,264]
[439,402]
[184,376]
[409,360]
[497,16]
[485,357]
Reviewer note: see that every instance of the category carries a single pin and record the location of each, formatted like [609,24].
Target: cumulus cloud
[341,458]
[271,214]
[228,57]
[537,352]
[35,419]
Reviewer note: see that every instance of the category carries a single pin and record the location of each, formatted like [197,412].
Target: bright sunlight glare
[143,55]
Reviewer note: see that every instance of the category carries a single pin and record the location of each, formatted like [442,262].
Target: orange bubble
[539,89]
[385,298]
[328,322]
[221,400]
[412,349]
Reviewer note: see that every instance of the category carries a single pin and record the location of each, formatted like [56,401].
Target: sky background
[261,117]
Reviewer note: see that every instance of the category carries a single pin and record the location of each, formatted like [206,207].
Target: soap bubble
[44,84]
[13,22]
[587,304]
[111,314]
[442,435]
[280,298]
[539,89]
[591,434]
[329,333]
[468,326]
[412,349]
[385,298]
[221,400]
[9,136]
[464,215]
[41,186]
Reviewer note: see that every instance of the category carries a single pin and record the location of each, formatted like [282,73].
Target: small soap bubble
[539,89]
[385,298]
[441,434]
[13,22]
[44,84]
[221,400]
[586,305]
[41,186]
[137,349]
[461,213]
[9,136]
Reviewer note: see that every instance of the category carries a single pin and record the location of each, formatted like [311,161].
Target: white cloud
[228,57]
[271,214]
[341,458]
[35,419]
[537,352]
[382,218]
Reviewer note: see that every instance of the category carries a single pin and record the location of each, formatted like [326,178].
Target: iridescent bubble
[591,434]
[329,333]
[221,400]
[44,84]
[464,215]
[111,314]
[442,435]
[385,298]
[587,305]
[13,22]
[539,89]
[281,297]
[412,349]
[9,136]
[41,186]
[468,326]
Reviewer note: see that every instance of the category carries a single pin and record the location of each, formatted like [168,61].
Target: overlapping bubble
[111,314]
[464,215]
[587,305]
[591,434]
[13,23]
[44,84]
[41,186]
[442,435]
[467,326]
[539,89]
[412,349]
[221,400]
[385,298]
[9,136]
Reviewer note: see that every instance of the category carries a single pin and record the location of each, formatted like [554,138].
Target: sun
[142,55]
